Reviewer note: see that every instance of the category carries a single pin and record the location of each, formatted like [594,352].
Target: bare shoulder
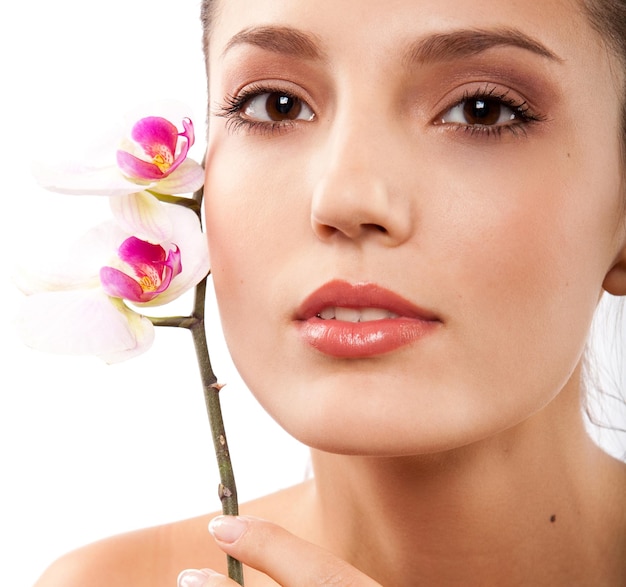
[149,557]
[153,557]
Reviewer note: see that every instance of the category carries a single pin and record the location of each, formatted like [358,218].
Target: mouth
[360,320]
[356,314]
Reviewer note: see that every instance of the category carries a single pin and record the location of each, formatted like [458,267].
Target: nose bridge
[357,192]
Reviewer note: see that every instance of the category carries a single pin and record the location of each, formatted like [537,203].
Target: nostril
[377,227]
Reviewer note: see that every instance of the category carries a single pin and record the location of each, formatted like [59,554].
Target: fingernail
[195,577]
[227,528]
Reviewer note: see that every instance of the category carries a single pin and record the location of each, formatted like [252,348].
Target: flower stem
[227,488]
[195,323]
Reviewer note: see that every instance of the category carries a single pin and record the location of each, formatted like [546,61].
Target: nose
[359,193]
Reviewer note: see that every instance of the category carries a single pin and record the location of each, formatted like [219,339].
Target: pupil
[284,104]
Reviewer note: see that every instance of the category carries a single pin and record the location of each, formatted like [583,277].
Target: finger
[289,560]
[203,578]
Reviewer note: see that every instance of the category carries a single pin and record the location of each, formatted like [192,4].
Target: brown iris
[482,111]
[280,106]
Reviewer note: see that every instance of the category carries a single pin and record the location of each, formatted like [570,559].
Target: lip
[343,339]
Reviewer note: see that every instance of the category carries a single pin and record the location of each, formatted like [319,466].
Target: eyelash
[233,106]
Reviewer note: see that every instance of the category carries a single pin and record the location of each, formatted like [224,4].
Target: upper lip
[339,293]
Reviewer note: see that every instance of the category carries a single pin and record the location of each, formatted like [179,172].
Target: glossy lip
[344,339]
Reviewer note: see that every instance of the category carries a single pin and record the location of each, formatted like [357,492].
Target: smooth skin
[461,458]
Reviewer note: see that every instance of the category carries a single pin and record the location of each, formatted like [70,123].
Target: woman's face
[411,208]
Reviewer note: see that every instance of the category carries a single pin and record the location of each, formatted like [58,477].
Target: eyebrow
[467,42]
[435,47]
[279,39]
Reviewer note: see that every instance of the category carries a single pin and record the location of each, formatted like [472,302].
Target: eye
[276,107]
[489,111]
[480,111]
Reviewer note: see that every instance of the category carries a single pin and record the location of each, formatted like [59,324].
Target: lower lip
[363,339]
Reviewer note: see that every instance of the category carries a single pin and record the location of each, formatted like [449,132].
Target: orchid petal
[188,132]
[85,322]
[118,284]
[30,280]
[147,271]
[138,252]
[79,180]
[75,268]
[142,215]
[189,238]
[142,329]
[162,148]
[186,179]
[138,169]
[155,131]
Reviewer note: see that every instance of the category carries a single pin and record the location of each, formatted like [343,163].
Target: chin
[376,435]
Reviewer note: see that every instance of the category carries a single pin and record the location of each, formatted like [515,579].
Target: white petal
[186,179]
[143,331]
[31,280]
[142,215]
[85,322]
[77,180]
[77,267]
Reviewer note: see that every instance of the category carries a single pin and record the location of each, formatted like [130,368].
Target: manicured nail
[227,528]
[195,577]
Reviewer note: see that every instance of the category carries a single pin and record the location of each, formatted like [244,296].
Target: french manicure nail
[227,528]
[194,577]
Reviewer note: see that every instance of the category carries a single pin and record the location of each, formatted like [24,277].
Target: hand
[288,560]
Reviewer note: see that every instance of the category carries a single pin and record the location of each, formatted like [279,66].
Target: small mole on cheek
[553,518]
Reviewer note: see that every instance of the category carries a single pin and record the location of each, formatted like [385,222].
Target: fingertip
[228,529]
[195,577]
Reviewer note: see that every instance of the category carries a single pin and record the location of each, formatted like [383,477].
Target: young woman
[413,209]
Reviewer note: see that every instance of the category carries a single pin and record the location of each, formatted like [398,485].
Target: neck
[534,505]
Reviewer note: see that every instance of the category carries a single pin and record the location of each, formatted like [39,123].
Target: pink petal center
[147,271]
[162,148]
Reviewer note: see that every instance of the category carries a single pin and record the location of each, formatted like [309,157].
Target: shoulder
[153,557]
[150,557]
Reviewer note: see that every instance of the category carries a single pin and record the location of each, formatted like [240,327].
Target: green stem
[191,203]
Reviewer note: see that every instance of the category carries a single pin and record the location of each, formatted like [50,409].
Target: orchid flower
[152,160]
[152,252]
[148,271]
[155,151]
[78,306]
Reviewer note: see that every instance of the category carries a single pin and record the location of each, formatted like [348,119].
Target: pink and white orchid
[78,306]
[152,159]
[157,149]
[146,271]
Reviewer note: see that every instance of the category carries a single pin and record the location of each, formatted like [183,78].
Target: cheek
[529,258]
[254,225]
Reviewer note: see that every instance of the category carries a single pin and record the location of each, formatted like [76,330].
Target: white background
[88,450]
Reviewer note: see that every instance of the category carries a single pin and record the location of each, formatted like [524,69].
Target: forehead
[373,24]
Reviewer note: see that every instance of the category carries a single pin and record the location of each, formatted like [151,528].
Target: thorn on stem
[217,386]
[223,491]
